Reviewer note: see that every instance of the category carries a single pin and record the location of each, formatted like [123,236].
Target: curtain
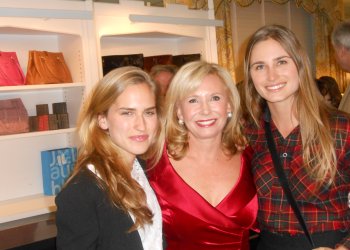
[326,13]
[224,36]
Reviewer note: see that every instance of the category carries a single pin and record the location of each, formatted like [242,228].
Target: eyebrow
[216,93]
[133,109]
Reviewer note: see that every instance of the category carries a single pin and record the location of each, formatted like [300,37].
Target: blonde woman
[203,181]
[108,202]
[312,141]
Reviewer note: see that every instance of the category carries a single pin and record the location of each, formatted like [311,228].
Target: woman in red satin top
[202,180]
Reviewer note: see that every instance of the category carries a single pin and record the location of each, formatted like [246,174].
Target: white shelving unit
[116,34]
[84,31]
[45,25]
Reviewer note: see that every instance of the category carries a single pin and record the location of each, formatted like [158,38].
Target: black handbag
[116,61]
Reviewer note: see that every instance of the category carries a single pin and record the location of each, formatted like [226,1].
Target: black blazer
[85,219]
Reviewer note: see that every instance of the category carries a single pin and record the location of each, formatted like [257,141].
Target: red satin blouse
[191,223]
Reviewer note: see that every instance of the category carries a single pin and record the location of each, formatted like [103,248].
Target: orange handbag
[47,67]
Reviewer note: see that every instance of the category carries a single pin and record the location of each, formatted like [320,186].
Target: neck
[284,118]
[208,150]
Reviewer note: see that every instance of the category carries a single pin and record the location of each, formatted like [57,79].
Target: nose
[140,123]
[271,73]
[205,107]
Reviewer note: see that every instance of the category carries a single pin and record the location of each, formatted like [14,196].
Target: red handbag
[10,71]
[13,117]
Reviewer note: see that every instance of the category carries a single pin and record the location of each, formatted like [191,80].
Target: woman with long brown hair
[108,202]
[312,147]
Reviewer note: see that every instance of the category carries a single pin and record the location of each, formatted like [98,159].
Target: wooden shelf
[25,207]
[20,88]
[35,134]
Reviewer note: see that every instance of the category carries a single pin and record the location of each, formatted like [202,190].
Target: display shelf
[43,25]
[21,160]
[37,87]
[16,209]
[35,134]
[151,39]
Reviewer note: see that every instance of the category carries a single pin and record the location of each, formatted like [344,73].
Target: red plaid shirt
[328,209]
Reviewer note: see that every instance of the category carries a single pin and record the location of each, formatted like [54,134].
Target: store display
[57,165]
[60,110]
[10,70]
[47,67]
[33,123]
[13,117]
[180,60]
[53,122]
[116,61]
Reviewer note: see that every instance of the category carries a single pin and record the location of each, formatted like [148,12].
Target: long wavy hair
[98,149]
[319,154]
[188,79]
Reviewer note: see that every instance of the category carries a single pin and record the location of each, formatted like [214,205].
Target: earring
[229,114]
[181,122]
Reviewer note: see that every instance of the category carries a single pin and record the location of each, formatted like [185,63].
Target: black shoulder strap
[284,183]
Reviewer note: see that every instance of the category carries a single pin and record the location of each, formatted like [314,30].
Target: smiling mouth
[206,123]
[139,138]
[276,87]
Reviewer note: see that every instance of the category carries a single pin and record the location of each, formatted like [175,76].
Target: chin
[140,150]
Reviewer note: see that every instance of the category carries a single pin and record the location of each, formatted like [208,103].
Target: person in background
[162,75]
[108,203]
[341,44]
[312,143]
[329,89]
[203,180]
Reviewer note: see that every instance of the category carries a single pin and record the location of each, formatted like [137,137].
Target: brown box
[59,108]
[43,122]
[63,121]
[33,123]
[53,122]
[42,109]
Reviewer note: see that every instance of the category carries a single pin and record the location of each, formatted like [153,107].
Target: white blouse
[150,234]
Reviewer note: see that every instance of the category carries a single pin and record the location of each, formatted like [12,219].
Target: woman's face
[273,72]
[204,111]
[132,120]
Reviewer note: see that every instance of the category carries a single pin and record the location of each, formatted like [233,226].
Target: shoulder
[340,121]
[339,115]
[253,132]
[247,153]
[157,169]
[82,187]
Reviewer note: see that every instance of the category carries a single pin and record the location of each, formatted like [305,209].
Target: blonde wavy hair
[98,149]
[187,79]
[313,114]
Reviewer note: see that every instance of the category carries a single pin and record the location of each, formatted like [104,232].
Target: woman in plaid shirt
[312,141]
